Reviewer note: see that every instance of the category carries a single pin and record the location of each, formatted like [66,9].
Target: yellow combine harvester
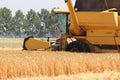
[95,31]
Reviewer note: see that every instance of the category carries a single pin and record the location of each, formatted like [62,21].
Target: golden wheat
[106,75]
[17,63]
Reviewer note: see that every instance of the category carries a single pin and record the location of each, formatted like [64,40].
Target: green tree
[33,26]
[12,28]
[5,20]
[1,21]
[45,16]
[18,21]
[52,23]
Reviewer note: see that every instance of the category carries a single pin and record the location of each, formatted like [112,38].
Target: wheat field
[16,64]
[11,42]
[107,75]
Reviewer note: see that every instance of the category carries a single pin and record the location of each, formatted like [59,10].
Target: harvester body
[93,31]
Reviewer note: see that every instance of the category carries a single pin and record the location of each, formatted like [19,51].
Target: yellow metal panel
[98,20]
[63,41]
[118,33]
[74,19]
[101,33]
[61,10]
[119,25]
[101,40]
[119,21]
[117,40]
[116,19]
[32,44]
[98,40]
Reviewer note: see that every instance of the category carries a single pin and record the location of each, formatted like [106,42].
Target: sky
[37,5]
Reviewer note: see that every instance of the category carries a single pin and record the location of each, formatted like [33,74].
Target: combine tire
[78,46]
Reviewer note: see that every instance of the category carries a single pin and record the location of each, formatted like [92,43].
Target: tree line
[38,24]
